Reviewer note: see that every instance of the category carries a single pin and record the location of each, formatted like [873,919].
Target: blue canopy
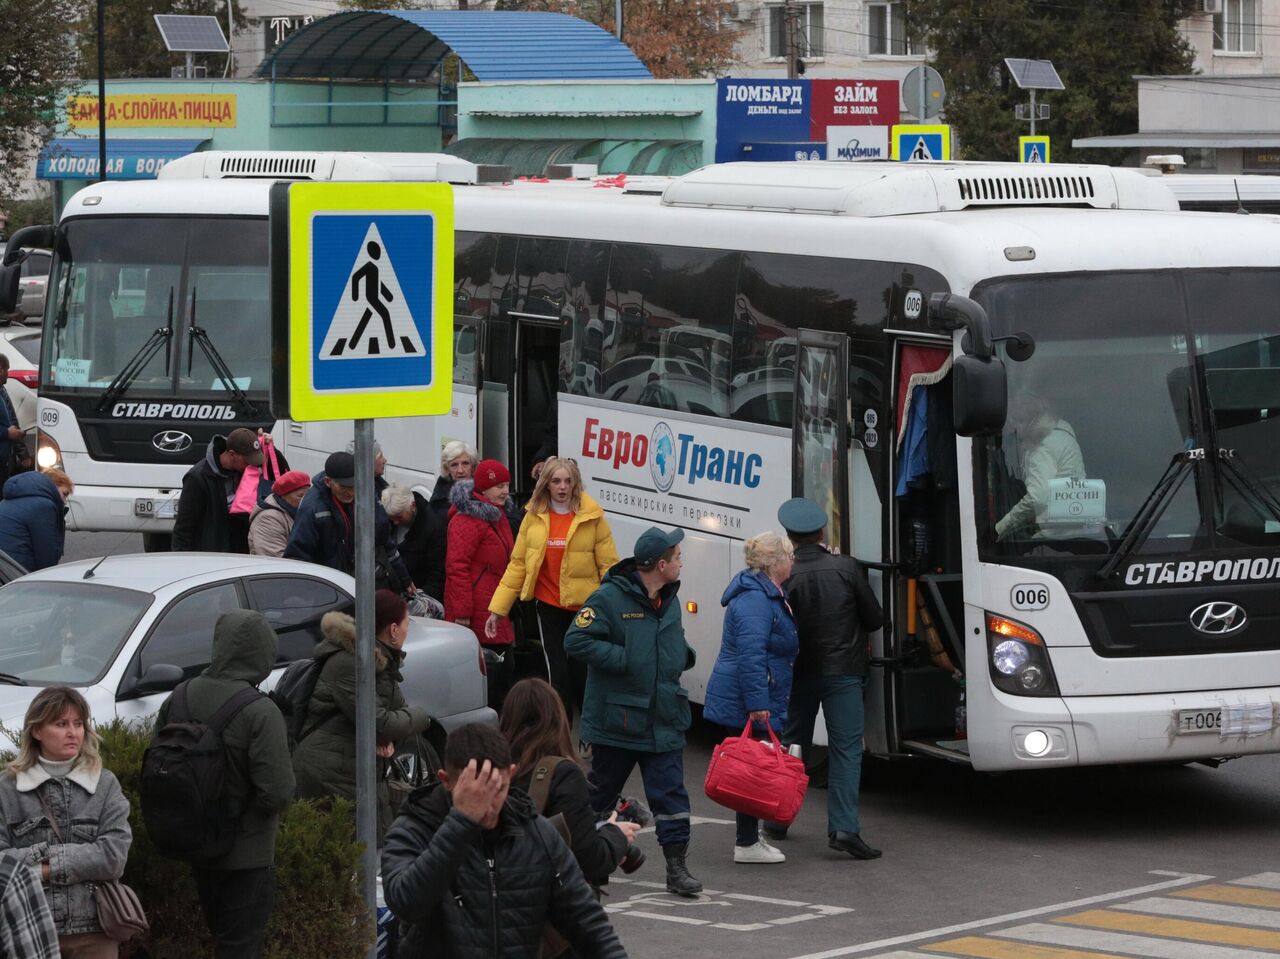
[76,158]
[411,44]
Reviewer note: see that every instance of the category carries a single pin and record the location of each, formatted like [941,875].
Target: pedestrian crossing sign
[1033,149]
[914,142]
[362,291]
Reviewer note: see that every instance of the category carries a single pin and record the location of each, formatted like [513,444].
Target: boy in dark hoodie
[476,873]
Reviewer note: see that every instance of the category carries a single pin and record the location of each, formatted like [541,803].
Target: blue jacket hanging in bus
[635,654]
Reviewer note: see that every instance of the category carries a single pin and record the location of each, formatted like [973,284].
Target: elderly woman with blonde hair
[751,678]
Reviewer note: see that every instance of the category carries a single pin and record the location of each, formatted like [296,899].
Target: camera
[630,809]
[632,859]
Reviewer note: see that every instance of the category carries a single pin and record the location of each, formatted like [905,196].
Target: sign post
[362,327]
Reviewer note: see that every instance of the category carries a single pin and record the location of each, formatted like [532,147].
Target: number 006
[1029,596]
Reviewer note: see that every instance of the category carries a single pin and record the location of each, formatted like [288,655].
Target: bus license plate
[155,508]
[1192,721]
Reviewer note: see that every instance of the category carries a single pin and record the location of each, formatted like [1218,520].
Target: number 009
[1029,597]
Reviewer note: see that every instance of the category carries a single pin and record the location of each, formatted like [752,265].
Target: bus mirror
[9,289]
[29,237]
[979,396]
[1019,347]
[952,312]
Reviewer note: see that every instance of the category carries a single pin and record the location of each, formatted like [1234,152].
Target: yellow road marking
[1004,949]
[1239,895]
[1175,928]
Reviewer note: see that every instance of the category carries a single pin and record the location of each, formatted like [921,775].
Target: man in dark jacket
[835,612]
[635,711]
[205,521]
[10,432]
[236,892]
[33,523]
[416,530]
[477,873]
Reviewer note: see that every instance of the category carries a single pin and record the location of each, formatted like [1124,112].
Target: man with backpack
[248,782]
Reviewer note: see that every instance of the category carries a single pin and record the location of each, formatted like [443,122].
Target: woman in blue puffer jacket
[33,524]
[752,674]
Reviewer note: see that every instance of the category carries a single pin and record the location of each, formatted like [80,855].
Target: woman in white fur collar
[68,815]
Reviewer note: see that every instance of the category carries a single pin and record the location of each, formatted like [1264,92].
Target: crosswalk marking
[1171,927]
[1208,911]
[1263,880]
[982,948]
[1235,895]
[1148,948]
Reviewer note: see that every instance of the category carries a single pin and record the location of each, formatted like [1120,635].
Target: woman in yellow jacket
[561,553]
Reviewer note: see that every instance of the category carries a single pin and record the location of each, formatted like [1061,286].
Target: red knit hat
[490,473]
[290,482]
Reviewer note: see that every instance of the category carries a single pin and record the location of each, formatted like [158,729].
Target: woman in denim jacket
[67,815]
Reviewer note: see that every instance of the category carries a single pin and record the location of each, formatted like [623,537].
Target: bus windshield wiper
[8,679]
[198,334]
[1153,507]
[133,369]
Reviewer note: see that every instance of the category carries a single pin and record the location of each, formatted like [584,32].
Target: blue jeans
[841,701]
[663,776]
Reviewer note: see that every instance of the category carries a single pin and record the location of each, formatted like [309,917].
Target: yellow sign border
[912,129]
[1023,143]
[306,199]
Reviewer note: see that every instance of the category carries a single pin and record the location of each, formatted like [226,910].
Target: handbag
[120,911]
[256,481]
[756,778]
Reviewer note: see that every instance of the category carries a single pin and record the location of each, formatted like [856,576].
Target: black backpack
[293,695]
[183,779]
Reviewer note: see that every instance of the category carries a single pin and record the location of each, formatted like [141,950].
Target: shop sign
[758,111]
[846,103]
[154,110]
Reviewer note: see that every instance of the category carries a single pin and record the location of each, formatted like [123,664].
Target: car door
[181,636]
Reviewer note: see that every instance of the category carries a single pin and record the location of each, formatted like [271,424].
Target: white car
[127,629]
[22,346]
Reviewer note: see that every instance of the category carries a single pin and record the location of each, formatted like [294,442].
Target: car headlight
[1018,658]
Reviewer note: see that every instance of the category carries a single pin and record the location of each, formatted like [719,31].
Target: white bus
[1128,615]
[1224,192]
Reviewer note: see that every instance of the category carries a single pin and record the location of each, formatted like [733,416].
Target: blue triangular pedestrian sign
[1033,154]
[921,150]
[373,318]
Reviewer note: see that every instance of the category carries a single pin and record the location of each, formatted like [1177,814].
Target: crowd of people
[518,800]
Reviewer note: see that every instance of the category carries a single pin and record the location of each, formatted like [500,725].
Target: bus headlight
[48,452]
[1018,658]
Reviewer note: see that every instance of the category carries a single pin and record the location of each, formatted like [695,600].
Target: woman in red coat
[480,542]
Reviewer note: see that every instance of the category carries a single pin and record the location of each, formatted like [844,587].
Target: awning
[578,114]
[1223,140]
[76,158]
[411,45]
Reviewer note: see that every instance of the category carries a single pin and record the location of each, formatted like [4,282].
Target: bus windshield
[1146,422]
[128,291]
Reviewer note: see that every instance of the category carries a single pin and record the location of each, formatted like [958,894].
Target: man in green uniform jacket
[636,712]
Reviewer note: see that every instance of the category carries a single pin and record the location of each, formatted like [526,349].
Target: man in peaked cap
[835,612]
[635,711]
[205,521]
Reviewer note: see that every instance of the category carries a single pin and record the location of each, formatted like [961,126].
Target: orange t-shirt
[548,588]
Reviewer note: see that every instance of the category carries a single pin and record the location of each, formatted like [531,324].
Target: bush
[318,911]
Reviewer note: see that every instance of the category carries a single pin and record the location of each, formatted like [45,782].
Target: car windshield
[1148,416]
[28,346]
[117,281]
[65,633]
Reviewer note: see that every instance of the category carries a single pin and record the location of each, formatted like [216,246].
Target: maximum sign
[362,291]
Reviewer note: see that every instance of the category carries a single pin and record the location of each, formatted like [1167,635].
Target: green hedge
[318,911]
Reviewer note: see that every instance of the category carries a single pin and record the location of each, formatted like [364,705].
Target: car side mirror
[10,291]
[159,678]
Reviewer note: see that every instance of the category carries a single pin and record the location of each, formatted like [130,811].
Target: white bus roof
[1220,186]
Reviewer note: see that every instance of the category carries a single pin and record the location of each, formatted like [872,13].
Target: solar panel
[191,34]
[1034,74]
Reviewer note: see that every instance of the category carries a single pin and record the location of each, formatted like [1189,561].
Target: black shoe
[776,833]
[679,881]
[851,842]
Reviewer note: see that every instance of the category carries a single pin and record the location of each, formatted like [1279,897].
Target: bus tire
[157,542]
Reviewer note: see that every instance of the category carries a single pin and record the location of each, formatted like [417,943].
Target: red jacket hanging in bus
[480,542]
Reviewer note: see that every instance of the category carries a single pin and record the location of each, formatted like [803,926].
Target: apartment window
[810,42]
[887,23]
[1235,28]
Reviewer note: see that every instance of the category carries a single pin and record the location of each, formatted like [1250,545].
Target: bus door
[532,412]
[820,429]
[466,420]
[925,645]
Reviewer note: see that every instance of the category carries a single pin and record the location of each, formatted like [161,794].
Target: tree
[134,46]
[36,71]
[1097,46]
[673,38]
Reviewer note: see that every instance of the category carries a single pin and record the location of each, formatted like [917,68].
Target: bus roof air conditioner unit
[356,167]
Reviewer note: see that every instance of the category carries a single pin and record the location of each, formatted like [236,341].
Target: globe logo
[662,462]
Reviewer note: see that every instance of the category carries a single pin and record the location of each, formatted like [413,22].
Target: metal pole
[366,786]
[789,34]
[924,104]
[1033,112]
[226,71]
[617,18]
[102,91]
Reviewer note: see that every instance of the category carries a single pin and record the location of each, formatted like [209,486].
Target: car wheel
[157,542]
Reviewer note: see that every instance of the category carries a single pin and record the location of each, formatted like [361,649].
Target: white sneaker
[761,841]
[759,853]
